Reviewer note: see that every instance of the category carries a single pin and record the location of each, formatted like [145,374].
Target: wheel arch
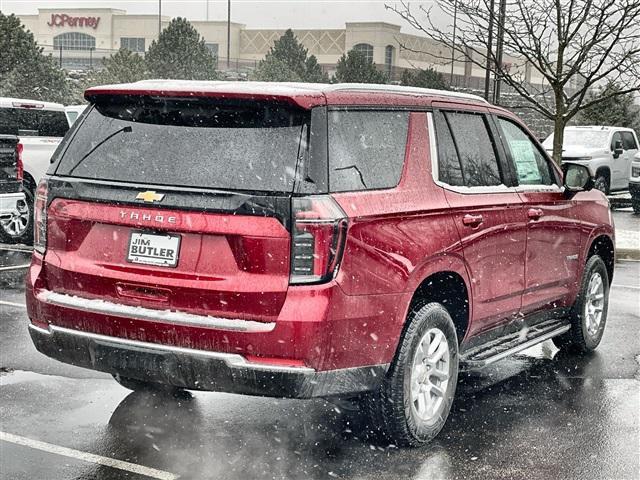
[603,246]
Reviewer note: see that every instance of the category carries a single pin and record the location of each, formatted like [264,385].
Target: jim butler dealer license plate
[151,249]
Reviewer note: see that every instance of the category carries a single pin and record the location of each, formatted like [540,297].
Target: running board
[489,353]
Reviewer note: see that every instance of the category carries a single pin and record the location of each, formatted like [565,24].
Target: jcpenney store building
[79,38]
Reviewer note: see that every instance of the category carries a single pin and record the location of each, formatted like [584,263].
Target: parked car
[40,127]
[634,183]
[607,151]
[73,112]
[12,201]
[300,240]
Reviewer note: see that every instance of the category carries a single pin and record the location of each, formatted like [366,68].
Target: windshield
[581,138]
[33,123]
[233,145]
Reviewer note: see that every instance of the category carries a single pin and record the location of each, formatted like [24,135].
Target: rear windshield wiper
[354,167]
[127,129]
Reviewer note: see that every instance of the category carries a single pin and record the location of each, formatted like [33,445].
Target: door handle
[472,220]
[535,213]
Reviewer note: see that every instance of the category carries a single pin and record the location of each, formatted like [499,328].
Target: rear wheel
[19,227]
[414,401]
[142,386]
[589,314]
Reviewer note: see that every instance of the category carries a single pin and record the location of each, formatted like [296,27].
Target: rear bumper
[9,203]
[199,369]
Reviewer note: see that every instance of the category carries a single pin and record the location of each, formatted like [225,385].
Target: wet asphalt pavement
[540,415]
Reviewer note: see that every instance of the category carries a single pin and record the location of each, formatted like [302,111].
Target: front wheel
[635,203]
[588,315]
[414,401]
[602,184]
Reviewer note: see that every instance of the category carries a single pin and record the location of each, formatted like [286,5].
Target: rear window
[33,123]
[211,143]
[366,149]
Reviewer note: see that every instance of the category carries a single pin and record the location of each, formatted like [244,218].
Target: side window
[617,137]
[629,141]
[366,149]
[449,168]
[478,158]
[532,167]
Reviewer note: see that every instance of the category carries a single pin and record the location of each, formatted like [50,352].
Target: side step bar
[491,352]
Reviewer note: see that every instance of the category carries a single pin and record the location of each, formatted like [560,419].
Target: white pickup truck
[40,127]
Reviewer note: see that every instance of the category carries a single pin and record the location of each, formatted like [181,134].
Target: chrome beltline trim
[231,359]
[149,314]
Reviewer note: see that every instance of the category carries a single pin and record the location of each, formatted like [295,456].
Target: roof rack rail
[405,90]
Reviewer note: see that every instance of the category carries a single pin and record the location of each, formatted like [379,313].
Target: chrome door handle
[472,220]
[535,213]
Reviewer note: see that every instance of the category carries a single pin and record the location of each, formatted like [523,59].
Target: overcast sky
[255,14]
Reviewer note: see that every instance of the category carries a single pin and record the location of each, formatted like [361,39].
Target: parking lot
[539,415]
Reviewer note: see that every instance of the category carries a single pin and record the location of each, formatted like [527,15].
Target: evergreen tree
[287,60]
[180,52]
[616,110]
[25,72]
[355,68]
[428,78]
[124,66]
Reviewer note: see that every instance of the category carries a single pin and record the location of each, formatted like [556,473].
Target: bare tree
[573,45]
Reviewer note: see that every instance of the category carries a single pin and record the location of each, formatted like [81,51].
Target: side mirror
[576,178]
[617,149]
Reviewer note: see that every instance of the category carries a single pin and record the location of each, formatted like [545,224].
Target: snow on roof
[276,89]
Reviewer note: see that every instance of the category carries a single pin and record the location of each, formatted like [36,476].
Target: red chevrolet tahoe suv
[301,240]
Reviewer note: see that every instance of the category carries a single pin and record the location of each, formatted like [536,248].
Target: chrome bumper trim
[149,314]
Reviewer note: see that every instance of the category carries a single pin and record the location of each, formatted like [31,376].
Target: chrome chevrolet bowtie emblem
[150,196]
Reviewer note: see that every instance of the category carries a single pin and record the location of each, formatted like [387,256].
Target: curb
[627,254]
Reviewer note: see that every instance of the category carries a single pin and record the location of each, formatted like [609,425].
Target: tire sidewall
[27,236]
[428,317]
[594,265]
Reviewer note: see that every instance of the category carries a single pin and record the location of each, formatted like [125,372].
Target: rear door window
[366,149]
[474,149]
[210,143]
[33,122]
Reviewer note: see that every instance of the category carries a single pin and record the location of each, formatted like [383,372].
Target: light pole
[487,72]
[453,45]
[228,34]
[500,49]
[159,18]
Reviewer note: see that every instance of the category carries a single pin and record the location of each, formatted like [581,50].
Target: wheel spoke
[440,375]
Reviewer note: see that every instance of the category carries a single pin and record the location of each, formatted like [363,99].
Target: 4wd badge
[150,196]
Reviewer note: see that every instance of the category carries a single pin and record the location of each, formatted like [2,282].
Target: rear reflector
[319,230]
[19,163]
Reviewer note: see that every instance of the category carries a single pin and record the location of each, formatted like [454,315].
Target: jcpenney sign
[62,19]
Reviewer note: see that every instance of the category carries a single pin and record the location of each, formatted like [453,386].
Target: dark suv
[303,240]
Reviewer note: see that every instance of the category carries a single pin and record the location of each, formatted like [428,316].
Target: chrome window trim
[149,314]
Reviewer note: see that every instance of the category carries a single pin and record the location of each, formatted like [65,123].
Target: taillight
[19,164]
[40,218]
[319,229]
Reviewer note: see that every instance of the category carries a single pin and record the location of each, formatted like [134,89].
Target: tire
[392,410]
[19,229]
[586,330]
[142,386]
[635,203]
[602,183]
